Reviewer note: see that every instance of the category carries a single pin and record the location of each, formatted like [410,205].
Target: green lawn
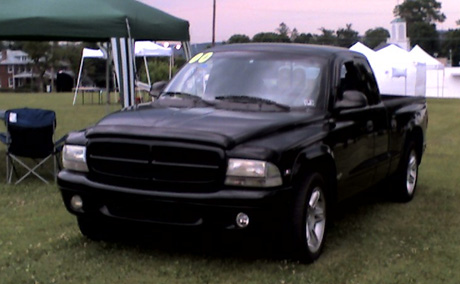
[373,240]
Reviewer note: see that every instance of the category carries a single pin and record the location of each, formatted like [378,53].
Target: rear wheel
[406,179]
[310,218]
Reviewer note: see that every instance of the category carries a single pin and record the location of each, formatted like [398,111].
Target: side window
[357,76]
[369,83]
[349,79]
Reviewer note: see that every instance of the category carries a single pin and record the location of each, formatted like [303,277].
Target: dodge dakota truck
[247,137]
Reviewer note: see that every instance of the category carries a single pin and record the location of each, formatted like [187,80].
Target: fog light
[76,203]
[242,220]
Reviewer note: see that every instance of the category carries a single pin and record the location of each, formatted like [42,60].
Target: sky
[250,17]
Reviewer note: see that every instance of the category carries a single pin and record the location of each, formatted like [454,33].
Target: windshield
[282,79]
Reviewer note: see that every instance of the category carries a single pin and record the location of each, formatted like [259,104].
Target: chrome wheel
[412,172]
[315,223]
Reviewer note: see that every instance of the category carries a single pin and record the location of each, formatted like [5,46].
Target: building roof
[14,57]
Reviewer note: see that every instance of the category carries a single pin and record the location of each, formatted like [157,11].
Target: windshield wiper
[180,94]
[248,99]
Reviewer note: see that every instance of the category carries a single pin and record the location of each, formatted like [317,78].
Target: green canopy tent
[119,22]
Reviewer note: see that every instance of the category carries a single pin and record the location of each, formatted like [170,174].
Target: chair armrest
[59,144]
[4,138]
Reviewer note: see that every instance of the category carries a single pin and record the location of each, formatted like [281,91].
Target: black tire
[405,182]
[309,225]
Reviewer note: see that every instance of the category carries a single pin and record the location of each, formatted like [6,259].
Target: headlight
[252,173]
[74,158]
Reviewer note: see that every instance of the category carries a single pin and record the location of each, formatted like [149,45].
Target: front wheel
[94,229]
[310,218]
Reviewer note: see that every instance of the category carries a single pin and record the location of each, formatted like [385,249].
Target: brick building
[15,69]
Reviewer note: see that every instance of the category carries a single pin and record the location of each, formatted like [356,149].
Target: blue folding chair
[30,135]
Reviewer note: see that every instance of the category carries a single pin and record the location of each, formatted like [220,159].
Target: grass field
[372,240]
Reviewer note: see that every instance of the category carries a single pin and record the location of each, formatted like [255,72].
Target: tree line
[420,16]
[343,37]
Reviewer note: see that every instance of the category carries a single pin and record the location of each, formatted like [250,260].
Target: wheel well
[416,136]
[325,166]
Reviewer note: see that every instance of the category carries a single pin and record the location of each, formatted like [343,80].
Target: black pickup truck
[247,137]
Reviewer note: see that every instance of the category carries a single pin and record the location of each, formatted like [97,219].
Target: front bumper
[266,208]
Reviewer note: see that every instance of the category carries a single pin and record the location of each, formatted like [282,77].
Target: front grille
[156,165]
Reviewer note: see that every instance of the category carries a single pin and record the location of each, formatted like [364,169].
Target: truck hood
[213,126]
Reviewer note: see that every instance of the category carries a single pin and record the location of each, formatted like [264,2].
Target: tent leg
[78,81]
[107,74]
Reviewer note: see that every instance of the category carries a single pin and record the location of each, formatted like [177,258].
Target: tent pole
[171,64]
[117,61]
[131,66]
[443,80]
[78,81]
[437,83]
[106,50]
[132,71]
[107,72]
[405,85]
[187,50]
[147,71]
[124,77]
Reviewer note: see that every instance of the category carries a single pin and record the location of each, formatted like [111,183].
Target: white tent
[150,49]
[403,74]
[395,70]
[93,53]
[87,53]
[395,56]
[435,71]
[141,49]
[413,73]
[419,55]
[361,48]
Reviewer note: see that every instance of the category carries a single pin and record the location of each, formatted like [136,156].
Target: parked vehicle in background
[262,137]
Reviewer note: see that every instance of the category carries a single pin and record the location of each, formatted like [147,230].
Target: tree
[346,37]
[238,38]
[41,56]
[15,45]
[294,35]
[70,53]
[283,30]
[158,69]
[451,46]
[421,17]
[374,37]
[326,38]
[428,11]
[304,38]
[269,37]
[424,35]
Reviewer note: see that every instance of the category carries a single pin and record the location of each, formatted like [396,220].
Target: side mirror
[351,100]
[157,88]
